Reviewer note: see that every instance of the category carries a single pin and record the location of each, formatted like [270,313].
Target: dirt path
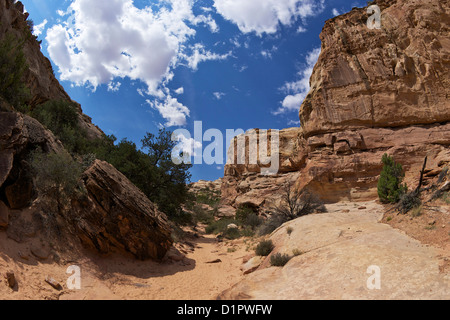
[120,278]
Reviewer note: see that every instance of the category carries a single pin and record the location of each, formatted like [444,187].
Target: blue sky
[136,66]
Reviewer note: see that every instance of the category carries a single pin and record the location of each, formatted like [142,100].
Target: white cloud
[114,86]
[294,123]
[336,12]
[219,95]
[179,91]
[298,90]
[37,30]
[264,16]
[105,39]
[301,29]
[100,41]
[200,54]
[172,110]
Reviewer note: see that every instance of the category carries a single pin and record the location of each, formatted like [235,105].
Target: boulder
[116,216]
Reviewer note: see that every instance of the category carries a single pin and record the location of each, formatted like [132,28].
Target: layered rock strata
[372,92]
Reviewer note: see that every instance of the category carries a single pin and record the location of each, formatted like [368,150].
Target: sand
[122,278]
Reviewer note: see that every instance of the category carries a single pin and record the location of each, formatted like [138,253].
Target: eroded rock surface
[116,216]
[336,251]
[372,92]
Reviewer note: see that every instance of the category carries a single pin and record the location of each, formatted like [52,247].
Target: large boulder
[115,216]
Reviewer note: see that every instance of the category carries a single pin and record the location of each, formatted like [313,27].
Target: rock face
[39,77]
[392,77]
[19,135]
[338,252]
[372,92]
[116,216]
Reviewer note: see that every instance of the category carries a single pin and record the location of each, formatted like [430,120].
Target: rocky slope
[39,77]
[345,244]
[372,92]
[112,216]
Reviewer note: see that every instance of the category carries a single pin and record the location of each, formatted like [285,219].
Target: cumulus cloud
[37,30]
[298,90]
[105,39]
[100,41]
[264,16]
[172,110]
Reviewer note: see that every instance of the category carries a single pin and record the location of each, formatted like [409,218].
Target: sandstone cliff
[39,77]
[372,92]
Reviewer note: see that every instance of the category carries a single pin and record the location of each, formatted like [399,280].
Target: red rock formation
[372,92]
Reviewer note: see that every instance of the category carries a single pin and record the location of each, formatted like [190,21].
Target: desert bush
[271,224]
[264,248]
[202,215]
[390,187]
[208,197]
[232,234]
[253,221]
[408,201]
[220,226]
[57,178]
[417,211]
[279,260]
[243,212]
[297,203]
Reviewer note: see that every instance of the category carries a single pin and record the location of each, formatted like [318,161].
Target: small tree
[390,187]
[297,203]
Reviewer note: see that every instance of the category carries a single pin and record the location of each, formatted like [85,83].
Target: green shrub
[243,212]
[57,177]
[232,234]
[390,188]
[208,197]
[12,68]
[202,215]
[279,260]
[264,248]
[220,226]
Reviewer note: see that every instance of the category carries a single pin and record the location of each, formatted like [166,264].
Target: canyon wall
[373,91]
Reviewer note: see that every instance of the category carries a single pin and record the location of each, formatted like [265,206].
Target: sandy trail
[119,278]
